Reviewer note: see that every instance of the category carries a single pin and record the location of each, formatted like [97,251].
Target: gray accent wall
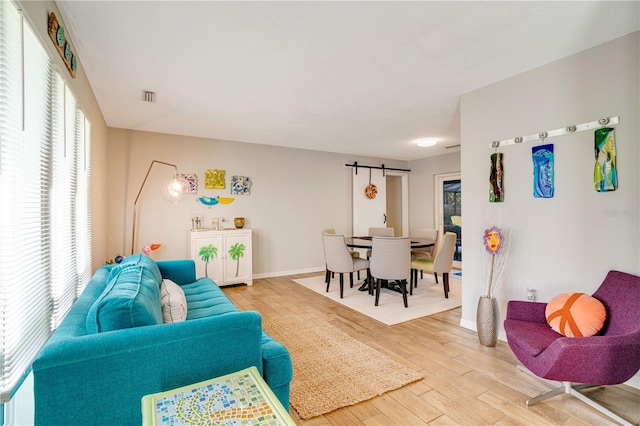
[295,195]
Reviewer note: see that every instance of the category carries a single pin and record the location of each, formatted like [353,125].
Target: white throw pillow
[174,304]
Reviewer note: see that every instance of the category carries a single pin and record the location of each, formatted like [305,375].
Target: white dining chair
[353,253]
[390,261]
[333,231]
[381,232]
[339,260]
[440,264]
[428,252]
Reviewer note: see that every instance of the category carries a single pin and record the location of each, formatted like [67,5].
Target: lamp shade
[174,191]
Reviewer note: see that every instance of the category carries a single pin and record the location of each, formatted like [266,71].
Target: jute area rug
[330,368]
[427,299]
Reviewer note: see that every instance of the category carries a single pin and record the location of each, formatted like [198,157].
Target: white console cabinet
[224,256]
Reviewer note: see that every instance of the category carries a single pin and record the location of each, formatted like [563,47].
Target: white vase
[487,319]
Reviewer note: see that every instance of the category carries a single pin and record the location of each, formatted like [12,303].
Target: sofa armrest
[182,271]
[278,368]
[526,311]
[101,378]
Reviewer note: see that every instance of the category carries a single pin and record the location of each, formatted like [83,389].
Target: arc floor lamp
[174,190]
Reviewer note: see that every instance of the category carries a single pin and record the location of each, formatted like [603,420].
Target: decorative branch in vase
[488,315]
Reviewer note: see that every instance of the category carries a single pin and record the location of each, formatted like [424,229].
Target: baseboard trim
[285,273]
[471,325]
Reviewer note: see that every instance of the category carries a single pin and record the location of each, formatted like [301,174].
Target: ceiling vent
[149,96]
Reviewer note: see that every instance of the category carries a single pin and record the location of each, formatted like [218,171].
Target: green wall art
[605,174]
[496,176]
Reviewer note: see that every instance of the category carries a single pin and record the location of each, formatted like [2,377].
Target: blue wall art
[543,169]
[241,185]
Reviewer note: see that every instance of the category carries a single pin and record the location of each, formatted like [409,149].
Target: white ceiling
[361,78]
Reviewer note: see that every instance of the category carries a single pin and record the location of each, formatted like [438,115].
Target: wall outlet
[532,294]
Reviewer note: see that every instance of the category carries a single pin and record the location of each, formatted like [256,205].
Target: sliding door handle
[385,218]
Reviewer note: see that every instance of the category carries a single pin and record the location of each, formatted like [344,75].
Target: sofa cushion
[173,302]
[131,298]
[206,299]
[531,337]
[142,260]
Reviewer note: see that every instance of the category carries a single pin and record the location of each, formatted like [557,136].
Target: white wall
[295,194]
[422,187]
[569,242]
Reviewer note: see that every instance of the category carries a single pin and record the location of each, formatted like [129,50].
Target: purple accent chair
[609,358]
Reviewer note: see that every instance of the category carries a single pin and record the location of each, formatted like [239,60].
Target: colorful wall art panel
[496,190]
[543,168]
[214,179]
[605,175]
[241,185]
[190,182]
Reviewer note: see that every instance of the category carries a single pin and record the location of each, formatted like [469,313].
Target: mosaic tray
[241,398]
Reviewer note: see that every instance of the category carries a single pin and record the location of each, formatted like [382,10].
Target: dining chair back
[391,261]
[339,260]
[381,232]
[328,274]
[443,260]
[425,253]
[332,231]
[442,263]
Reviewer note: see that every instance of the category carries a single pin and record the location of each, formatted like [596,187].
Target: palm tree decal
[236,252]
[207,253]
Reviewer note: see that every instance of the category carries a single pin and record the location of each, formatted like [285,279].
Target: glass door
[449,209]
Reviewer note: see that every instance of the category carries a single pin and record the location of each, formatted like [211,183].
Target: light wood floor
[464,382]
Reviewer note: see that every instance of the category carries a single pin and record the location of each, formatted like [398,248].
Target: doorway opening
[394,204]
[389,207]
[449,209]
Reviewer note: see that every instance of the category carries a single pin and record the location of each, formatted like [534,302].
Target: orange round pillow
[575,314]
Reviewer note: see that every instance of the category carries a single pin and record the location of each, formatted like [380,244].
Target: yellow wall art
[214,179]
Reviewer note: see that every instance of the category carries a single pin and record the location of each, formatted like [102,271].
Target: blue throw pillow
[130,299]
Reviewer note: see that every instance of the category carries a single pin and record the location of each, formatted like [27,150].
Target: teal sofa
[113,348]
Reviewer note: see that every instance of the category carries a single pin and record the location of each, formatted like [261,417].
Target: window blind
[41,140]
[83,203]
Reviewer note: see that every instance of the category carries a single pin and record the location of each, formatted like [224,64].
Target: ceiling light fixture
[425,142]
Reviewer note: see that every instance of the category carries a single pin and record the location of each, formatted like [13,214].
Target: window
[45,243]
